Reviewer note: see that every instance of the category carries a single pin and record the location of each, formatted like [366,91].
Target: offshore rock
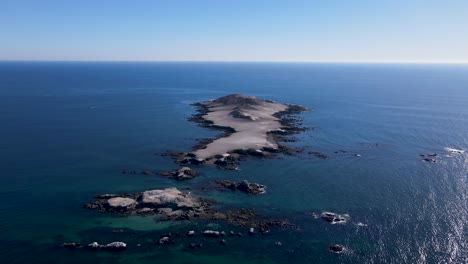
[169,197]
[244,186]
[251,188]
[94,246]
[147,172]
[71,245]
[164,240]
[115,246]
[336,248]
[334,218]
[184,173]
[195,245]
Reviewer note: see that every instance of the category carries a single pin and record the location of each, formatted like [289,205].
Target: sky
[423,31]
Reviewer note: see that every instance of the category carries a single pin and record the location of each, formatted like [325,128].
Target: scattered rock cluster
[244,186]
[113,246]
[429,157]
[184,173]
[334,218]
[172,204]
[168,201]
[347,152]
[318,154]
[249,218]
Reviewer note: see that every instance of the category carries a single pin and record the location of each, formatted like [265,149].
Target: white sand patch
[250,117]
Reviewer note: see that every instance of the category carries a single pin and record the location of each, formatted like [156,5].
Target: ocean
[69,128]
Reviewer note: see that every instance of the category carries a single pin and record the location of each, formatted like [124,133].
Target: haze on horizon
[424,31]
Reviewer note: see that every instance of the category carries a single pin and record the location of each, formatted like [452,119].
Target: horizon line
[247,61]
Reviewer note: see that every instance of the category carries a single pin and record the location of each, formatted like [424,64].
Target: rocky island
[252,127]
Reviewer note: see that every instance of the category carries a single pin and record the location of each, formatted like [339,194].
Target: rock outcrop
[113,246]
[184,173]
[336,248]
[244,186]
[71,245]
[121,203]
[169,197]
[334,218]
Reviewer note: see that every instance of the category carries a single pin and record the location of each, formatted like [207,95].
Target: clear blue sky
[237,30]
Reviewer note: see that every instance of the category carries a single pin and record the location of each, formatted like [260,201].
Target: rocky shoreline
[287,125]
[171,204]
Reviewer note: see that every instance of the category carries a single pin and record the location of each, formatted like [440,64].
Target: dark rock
[195,245]
[334,218]
[336,248]
[165,173]
[318,154]
[147,172]
[183,173]
[255,152]
[244,186]
[250,218]
[251,188]
[93,205]
[341,151]
[221,162]
[429,157]
[232,185]
[71,245]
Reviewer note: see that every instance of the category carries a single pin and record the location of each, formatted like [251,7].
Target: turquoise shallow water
[69,128]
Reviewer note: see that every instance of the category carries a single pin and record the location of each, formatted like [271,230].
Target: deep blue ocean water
[67,129]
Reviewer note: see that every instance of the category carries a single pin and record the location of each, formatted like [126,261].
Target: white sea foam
[456,151]
[360,224]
